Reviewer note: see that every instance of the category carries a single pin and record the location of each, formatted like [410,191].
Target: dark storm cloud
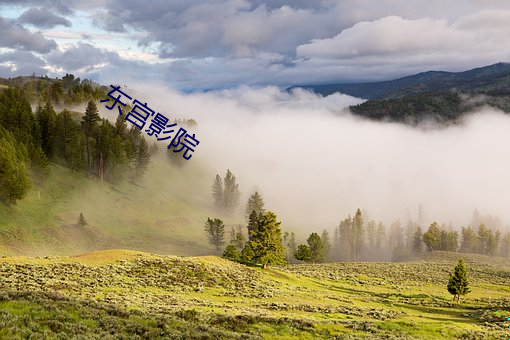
[16,36]
[42,18]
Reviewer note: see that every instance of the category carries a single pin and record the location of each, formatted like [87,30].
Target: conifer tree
[458,283]
[357,234]
[432,237]
[215,231]
[231,253]
[81,221]
[266,241]
[143,158]
[230,192]
[217,193]
[418,241]
[316,247]
[303,253]
[89,122]
[255,203]
[326,243]
[14,175]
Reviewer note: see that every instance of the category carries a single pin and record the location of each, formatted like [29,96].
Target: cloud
[15,36]
[21,62]
[42,18]
[314,163]
[80,56]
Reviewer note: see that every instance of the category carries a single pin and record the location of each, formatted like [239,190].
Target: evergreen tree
[266,241]
[237,237]
[14,175]
[345,231]
[357,234]
[247,254]
[371,237]
[432,237]
[303,253]
[458,283]
[89,122]
[505,245]
[469,241]
[143,158]
[253,224]
[326,243]
[81,221]
[66,138]
[46,118]
[289,239]
[231,253]
[316,247]
[255,203]
[418,241]
[381,239]
[231,192]
[217,193]
[215,231]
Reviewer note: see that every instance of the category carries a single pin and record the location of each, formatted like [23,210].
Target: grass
[131,294]
[164,212]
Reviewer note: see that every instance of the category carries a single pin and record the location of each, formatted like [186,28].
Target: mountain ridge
[491,78]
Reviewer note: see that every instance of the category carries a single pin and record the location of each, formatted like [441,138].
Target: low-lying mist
[315,163]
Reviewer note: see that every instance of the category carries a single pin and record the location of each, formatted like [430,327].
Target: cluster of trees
[68,90]
[258,243]
[226,193]
[30,140]
[357,240]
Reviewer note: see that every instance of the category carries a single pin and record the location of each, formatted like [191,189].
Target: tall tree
[232,253]
[432,237]
[215,231]
[237,237]
[255,203]
[231,192]
[357,233]
[14,175]
[418,241]
[469,241]
[143,158]
[217,193]
[253,224]
[458,283]
[326,243]
[345,231]
[266,241]
[46,118]
[89,122]
[316,247]
[289,239]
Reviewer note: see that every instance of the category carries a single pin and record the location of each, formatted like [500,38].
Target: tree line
[83,142]
[357,240]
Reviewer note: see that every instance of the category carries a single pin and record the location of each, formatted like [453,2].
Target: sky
[193,45]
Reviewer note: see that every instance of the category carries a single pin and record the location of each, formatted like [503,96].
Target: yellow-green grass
[226,299]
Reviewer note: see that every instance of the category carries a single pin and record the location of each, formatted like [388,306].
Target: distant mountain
[493,79]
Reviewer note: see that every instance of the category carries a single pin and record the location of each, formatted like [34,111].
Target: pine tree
[418,241]
[237,237]
[266,241]
[316,247]
[253,224]
[81,221]
[432,237]
[458,283]
[143,158]
[255,203]
[215,231]
[14,175]
[89,122]
[303,253]
[326,243]
[470,242]
[231,253]
[231,192]
[345,233]
[217,193]
[247,254]
[357,234]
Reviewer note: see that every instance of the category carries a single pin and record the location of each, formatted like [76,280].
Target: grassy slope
[164,213]
[138,294]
